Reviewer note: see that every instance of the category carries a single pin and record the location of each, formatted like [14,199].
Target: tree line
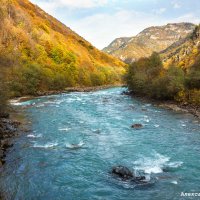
[147,77]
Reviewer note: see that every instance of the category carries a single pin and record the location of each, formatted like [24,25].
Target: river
[46,165]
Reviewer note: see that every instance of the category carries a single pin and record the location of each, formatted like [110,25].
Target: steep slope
[183,53]
[29,36]
[155,38]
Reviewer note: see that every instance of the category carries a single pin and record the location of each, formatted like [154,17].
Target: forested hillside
[39,53]
[178,79]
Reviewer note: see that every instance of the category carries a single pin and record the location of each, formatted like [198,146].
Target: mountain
[44,54]
[183,53]
[156,38]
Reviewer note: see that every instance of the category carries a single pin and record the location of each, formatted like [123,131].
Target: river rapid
[76,139]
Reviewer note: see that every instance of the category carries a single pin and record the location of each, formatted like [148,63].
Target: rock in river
[122,172]
[125,174]
[137,126]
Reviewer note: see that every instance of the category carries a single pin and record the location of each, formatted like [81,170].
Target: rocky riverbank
[186,108]
[172,105]
[9,129]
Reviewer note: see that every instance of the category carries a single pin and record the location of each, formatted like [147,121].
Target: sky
[101,21]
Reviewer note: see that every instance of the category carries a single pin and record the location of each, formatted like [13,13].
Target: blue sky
[101,21]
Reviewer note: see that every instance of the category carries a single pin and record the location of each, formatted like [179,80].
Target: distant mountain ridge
[156,38]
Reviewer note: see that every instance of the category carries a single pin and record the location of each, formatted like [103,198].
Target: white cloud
[82,3]
[71,4]
[176,5]
[160,11]
[49,7]
[189,17]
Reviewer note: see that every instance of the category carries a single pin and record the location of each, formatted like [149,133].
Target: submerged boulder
[137,126]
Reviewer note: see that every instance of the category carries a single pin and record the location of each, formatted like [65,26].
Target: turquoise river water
[77,138]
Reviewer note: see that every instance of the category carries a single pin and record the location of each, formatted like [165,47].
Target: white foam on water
[155,170]
[33,136]
[157,111]
[15,102]
[59,102]
[64,129]
[75,146]
[155,164]
[146,119]
[49,102]
[69,100]
[156,125]
[137,120]
[40,105]
[175,164]
[46,146]
[152,165]
[174,182]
